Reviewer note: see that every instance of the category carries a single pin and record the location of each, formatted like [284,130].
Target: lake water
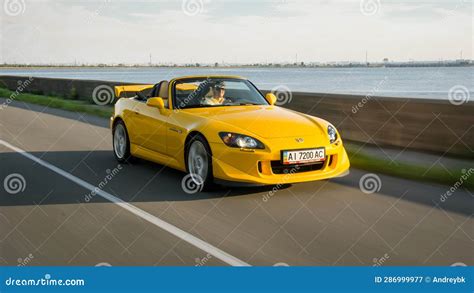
[420,82]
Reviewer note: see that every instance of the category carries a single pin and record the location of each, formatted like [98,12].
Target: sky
[234,32]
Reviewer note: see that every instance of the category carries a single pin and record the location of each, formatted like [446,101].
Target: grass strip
[406,170]
[57,102]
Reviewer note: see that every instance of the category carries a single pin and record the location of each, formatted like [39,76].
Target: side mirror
[156,102]
[271,98]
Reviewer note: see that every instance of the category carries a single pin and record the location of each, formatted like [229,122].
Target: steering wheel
[227,101]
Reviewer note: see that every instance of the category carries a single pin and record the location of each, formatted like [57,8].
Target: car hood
[264,121]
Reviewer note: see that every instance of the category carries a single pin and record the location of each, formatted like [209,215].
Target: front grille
[279,168]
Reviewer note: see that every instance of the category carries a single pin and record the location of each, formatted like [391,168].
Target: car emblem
[299,139]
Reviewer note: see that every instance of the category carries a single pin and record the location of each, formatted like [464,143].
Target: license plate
[303,156]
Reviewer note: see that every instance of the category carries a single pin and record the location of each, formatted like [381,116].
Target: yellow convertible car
[223,128]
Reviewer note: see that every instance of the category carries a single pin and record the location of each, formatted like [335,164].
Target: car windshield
[215,92]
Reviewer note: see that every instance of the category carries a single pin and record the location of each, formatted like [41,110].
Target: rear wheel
[199,162]
[121,143]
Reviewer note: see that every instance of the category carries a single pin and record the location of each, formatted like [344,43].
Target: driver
[218,94]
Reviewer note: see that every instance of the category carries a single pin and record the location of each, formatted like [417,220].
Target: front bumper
[233,164]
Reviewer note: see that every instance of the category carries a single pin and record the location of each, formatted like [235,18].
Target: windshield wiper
[201,106]
[214,106]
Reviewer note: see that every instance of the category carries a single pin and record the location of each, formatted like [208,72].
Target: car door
[176,133]
[152,127]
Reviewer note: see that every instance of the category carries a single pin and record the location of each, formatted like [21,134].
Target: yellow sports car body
[223,128]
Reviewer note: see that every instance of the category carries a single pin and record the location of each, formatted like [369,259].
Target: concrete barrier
[423,124]
[77,89]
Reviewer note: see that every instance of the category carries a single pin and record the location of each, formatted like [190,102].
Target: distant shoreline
[401,65]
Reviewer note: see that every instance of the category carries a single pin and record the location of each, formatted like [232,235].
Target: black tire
[126,157]
[207,182]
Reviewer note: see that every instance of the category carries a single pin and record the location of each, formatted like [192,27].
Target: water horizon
[403,82]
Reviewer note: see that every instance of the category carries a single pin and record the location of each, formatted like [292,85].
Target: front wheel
[199,162]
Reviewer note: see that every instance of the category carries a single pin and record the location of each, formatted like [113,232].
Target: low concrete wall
[77,89]
[423,124]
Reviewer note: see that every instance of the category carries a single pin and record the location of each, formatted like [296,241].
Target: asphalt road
[51,220]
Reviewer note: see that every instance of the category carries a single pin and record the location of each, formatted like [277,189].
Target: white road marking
[209,248]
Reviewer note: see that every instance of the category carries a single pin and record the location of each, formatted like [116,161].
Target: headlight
[236,140]
[332,133]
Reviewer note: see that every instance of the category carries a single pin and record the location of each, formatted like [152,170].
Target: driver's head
[218,89]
